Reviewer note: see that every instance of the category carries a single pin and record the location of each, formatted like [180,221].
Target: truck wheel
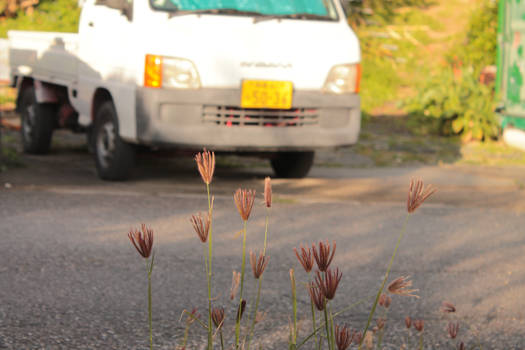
[37,122]
[114,158]
[292,165]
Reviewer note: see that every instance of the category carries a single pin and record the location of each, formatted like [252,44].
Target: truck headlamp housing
[170,72]
[343,79]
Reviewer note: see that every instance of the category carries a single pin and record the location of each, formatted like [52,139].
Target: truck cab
[274,78]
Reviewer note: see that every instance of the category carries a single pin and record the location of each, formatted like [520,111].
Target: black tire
[292,165]
[37,122]
[114,158]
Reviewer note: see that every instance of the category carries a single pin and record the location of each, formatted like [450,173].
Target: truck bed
[47,56]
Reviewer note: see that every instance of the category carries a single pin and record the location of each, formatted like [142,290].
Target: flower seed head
[240,310]
[408,322]
[419,325]
[201,226]
[400,287]
[142,240]
[453,329]
[447,307]
[358,336]
[268,192]
[380,322]
[324,256]
[236,280]
[417,194]
[258,264]
[244,201]
[217,316]
[306,258]
[206,165]
[317,296]
[461,346]
[385,301]
[329,283]
[343,337]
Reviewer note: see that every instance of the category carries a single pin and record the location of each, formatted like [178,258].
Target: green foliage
[382,11]
[50,15]
[454,102]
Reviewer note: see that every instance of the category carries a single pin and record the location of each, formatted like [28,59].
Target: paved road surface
[71,280]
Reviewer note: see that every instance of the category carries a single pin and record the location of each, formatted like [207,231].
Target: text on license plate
[266,94]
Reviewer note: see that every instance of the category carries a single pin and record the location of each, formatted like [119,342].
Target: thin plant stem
[238,321]
[382,331]
[421,341]
[380,291]
[222,339]
[332,335]
[150,323]
[324,323]
[408,339]
[208,270]
[266,230]
[294,308]
[314,323]
[254,314]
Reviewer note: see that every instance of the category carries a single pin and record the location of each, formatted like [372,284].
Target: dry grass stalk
[267,192]
[244,201]
[258,264]
[236,280]
[142,240]
[201,226]
[324,256]
[206,165]
[400,287]
[305,258]
[417,194]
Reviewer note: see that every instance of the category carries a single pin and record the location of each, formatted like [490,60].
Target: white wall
[4,60]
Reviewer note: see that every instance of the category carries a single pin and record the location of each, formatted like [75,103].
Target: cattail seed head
[240,310]
[142,240]
[417,194]
[343,337]
[419,325]
[236,280]
[305,258]
[268,192]
[324,256]
[408,322]
[447,307]
[317,296]
[453,329]
[329,283]
[201,226]
[258,264]
[385,301]
[400,286]
[244,201]
[217,316]
[206,165]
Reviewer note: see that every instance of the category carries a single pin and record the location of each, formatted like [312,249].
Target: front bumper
[212,118]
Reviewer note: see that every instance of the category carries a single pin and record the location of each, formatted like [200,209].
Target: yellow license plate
[266,94]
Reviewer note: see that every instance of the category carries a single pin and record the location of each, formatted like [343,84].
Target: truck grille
[236,116]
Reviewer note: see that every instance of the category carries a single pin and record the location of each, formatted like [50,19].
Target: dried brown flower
[343,337]
[244,201]
[358,336]
[142,240]
[400,286]
[447,307]
[408,322]
[329,283]
[206,165]
[461,346]
[240,310]
[417,194]
[324,257]
[260,316]
[268,192]
[369,341]
[419,325]
[453,329]
[380,322]
[317,296]
[201,226]
[217,315]
[385,301]
[236,280]
[258,264]
[306,258]
[192,316]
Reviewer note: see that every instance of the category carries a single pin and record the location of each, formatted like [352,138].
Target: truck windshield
[299,9]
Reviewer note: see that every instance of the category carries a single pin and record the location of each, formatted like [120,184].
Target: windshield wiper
[227,11]
[295,16]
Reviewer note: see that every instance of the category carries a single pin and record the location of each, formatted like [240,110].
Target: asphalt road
[70,278]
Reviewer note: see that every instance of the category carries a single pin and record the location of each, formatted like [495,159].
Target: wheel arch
[22,84]
[100,96]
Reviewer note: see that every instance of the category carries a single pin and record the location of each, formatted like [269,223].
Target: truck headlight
[170,72]
[343,79]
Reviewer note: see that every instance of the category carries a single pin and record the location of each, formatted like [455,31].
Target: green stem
[222,339]
[294,308]
[254,314]
[331,325]
[421,341]
[208,270]
[403,230]
[150,323]
[382,331]
[314,323]
[266,230]
[324,323]
[238,321]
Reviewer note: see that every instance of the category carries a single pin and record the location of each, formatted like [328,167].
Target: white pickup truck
[276,78]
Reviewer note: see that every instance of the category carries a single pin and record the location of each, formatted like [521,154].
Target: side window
[126,6]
